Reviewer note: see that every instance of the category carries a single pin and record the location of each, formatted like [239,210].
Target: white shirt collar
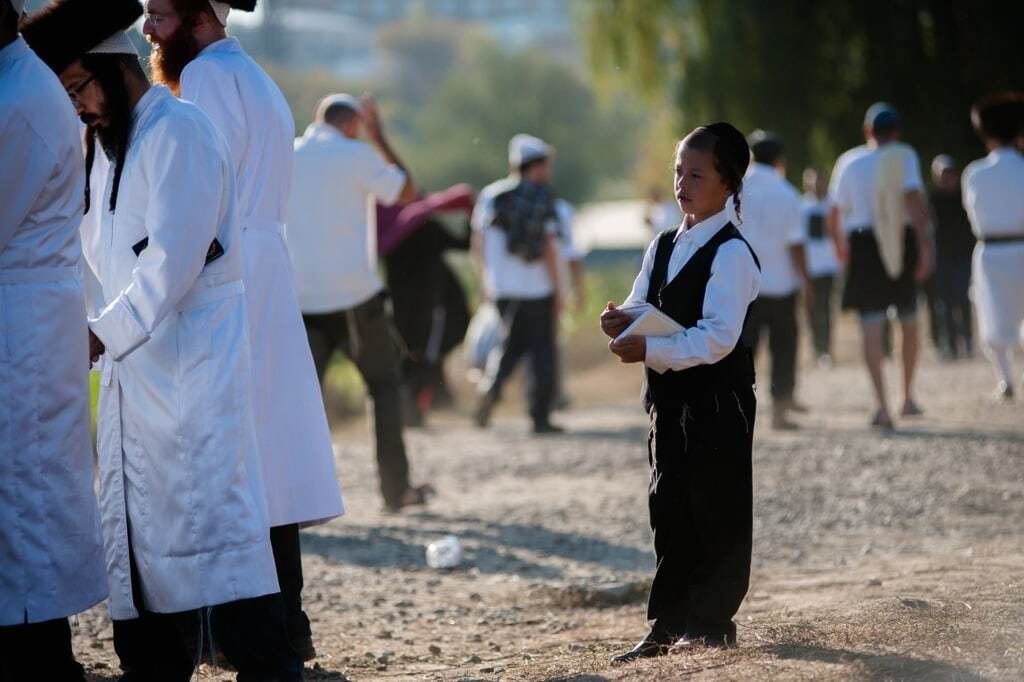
[701,232]
[13,50]
[315,129]
[1005,150]
[226,44]
[144,106]
[758,168]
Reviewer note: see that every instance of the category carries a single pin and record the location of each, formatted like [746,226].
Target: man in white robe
[51,553]
[193,55]
[184,523]
[994,200]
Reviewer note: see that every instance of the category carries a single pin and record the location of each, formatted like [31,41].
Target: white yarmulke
[523,148]
[343,99]
[119,43]
[221,9]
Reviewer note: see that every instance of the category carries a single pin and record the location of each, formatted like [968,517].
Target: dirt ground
[875,556]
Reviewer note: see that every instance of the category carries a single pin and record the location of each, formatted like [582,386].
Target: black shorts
[869,289]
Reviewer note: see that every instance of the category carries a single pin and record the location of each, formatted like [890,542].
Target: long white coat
[179,470]
[291,427]
[51,557]
[993,195]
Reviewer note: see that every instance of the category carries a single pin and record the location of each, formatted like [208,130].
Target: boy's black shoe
[656,643]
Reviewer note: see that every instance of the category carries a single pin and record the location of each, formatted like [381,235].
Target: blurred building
[340,36]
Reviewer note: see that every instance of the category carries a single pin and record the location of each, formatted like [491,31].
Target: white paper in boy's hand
[635,310]
[650,322]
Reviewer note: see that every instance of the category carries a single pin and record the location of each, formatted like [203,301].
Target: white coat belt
[265,224]
[37,275]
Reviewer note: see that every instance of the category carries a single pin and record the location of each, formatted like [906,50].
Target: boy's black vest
[682,299]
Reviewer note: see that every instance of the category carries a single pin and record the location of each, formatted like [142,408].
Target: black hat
[65,30]
[999,116]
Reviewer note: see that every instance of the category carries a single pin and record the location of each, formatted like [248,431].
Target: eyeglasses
[75,92]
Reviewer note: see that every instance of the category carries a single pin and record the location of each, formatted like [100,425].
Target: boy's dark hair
[536,161]
[999,117]
[730,151]
[766,147]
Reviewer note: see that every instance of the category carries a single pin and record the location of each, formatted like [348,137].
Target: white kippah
[221,9]
[119,43]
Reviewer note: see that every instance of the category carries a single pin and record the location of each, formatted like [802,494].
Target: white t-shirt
[770,208]
[854,184]
[331,230]
[821,252]
[507,275]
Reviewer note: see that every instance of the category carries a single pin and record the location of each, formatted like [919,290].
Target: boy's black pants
[701,510]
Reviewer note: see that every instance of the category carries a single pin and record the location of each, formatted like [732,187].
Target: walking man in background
[771,224]
[880,204]
[337,180]
[194,56]
[515,226]
[51,554]
[993,197]
[822,262]
[954,244]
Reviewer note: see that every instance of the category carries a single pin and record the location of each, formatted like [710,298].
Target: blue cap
[882,116]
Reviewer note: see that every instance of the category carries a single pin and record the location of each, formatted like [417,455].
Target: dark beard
[169,59]
[113,137]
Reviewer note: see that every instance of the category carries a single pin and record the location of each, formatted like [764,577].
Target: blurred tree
[808,70]
[462,130]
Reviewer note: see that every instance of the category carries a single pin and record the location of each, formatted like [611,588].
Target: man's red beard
[170,57]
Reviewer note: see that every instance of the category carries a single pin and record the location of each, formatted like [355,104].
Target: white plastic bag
[484,334]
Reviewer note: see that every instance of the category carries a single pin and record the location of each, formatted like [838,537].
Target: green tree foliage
[461,133]
[808,70]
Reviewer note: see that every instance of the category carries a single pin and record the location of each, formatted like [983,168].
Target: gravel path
[875,556]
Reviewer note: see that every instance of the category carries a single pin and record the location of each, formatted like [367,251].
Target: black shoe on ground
[695,641]
[547,428]
[482,415]
[643,649]
[303,648]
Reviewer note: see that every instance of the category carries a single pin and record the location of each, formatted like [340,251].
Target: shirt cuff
[659,353]
[119,329]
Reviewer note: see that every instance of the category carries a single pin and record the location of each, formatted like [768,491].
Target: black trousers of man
[26,650]
[364,334]
[166,647]
[284,540]
[529,333]
[953,282]
[701,508]
[777,314]
[820,317]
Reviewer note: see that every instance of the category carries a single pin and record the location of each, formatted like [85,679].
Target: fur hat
[65,30]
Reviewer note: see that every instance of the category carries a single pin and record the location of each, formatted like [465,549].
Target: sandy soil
[875,556]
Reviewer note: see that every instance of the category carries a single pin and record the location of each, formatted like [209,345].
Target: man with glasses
[184,524]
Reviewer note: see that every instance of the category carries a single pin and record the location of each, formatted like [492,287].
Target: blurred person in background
[993,193]
[771,224]
[515,225]
[880,205]
[822,261]
[954,245]
[430,309]
[337,179]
